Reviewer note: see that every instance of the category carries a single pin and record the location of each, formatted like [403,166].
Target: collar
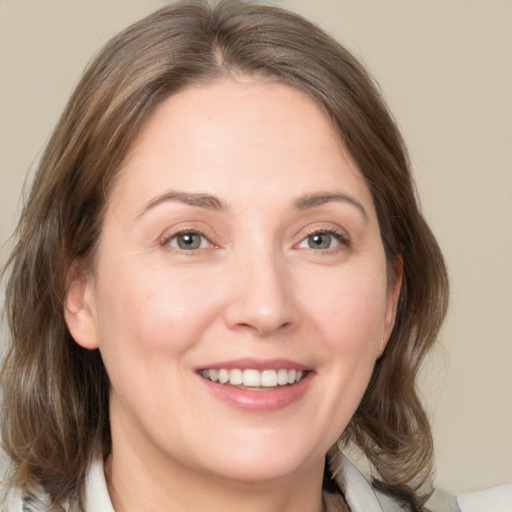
[97,498]
[358,492]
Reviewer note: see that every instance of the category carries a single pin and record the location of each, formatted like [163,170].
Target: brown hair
[55,412]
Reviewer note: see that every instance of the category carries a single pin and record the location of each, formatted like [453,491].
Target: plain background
[445,67]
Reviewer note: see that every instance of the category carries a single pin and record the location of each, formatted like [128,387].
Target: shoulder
[363,497]
[495,499]
[12,499]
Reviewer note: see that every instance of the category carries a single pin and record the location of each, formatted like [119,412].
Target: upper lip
[255,364]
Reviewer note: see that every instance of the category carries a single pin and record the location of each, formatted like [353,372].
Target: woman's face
[240,242]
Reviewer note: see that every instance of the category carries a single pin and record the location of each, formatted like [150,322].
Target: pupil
[320,241]
[189,241]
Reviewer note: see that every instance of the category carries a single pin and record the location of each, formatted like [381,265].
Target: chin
[257,462]
[264,472]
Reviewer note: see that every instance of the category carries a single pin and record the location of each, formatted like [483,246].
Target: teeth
[254,378]
[223,376]
[236,377]
[282,377]
[268,378]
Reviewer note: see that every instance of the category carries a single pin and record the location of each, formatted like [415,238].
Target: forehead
[238,137]
[229,110]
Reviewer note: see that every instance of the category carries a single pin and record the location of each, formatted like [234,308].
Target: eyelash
[187,231]
[341,238]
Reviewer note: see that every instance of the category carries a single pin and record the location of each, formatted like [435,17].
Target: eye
[188,241]
[322,240]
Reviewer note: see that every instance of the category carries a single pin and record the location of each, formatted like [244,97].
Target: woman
[222,278]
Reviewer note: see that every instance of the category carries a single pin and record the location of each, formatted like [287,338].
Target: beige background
[446,69]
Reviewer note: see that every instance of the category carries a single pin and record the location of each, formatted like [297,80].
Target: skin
[257,286]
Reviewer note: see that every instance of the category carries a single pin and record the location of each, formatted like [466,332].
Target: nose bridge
[263,299]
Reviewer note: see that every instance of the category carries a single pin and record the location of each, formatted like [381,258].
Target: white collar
[358,492]
[97,498]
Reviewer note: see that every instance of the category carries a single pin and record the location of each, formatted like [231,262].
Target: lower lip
[261,400]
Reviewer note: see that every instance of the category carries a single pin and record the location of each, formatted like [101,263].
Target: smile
[253,378]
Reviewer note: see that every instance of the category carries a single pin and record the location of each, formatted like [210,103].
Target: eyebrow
[210,202]
[320,198]
[205,201]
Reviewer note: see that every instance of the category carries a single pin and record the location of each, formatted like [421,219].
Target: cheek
[146,316]
[351,307]
[344,316]
[147,326]
[348,317]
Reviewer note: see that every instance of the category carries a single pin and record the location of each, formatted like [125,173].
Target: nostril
[260,329]
[261,302]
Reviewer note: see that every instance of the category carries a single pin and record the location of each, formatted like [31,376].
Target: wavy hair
[55,393]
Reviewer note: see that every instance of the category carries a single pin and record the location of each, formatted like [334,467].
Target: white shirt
[360,495]
[358,492]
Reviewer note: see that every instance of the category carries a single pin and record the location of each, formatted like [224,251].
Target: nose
[262,301]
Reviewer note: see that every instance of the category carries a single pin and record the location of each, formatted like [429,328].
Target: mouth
[257,385]
[253,379]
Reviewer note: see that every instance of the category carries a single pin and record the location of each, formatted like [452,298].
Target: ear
[394,289]
[79,309]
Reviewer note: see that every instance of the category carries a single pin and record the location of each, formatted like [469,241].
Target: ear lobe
[79,312]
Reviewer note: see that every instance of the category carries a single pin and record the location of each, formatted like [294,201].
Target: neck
[145,483]
[180,494]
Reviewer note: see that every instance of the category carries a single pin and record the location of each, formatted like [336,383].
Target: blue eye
[188,241]
[321,240]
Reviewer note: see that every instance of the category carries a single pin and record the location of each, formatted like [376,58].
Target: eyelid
[169,235]
[339,234]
